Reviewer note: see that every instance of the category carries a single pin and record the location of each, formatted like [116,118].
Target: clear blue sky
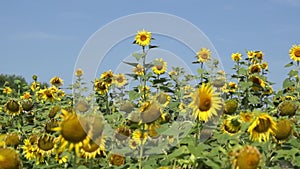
[45,37]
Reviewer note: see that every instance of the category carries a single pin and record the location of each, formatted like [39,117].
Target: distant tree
[15,82]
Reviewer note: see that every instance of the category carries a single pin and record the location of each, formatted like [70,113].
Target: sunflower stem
[74,159]
[144,70]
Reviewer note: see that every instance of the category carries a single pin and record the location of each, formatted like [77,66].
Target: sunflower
[56,81]
[45,145]
[143,38]
[259,55]
[50,94]
[182,107]
[230,106]
[93,148]
[287,108]
[78,72]
[107,77]
[7,90]
[254,68]
[13,107]
[122,133]
[120,80]
[26,95]
[257,82]
[34,86]
[261,128]
[247,157]
[12,139]
[251,54]
[116,159]
[203,55]
[100,86]
[205,103]
[264,65]
[236,57]
[152,130]
[61,156]
[295,53]
[163,98]
[160,66]
[231,125]
[72,131]
[27,104]
[133,144]
[151,111]
[138,70]
[29,148]
[139,137]
[9,159]
[284,129]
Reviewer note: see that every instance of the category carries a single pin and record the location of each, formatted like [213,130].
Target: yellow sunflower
[247,157]
[120,80]
[254,68]
[151,111]
[231,125]
[61,156]
[93,148]
[257,82]
[29,148]
[264,65]
[72,131]
[133,144]
[163,98]
[45,145]
[138,70]
[295,53]
[26,95]
[7,90]
[143,38]
[259,55]
[203,55]
[12,139]
[205,103]
[50,94]
[78,72]
[236,57]
[34,86]
[261,128]
[139,137]
[100,86]
[160,66]
[251,54]
[56,81]
[13,107]
[107,77]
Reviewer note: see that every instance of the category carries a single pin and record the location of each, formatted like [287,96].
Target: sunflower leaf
[131,64]
[289,64]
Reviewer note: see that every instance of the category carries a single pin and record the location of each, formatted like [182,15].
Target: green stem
[74,160]
[144,69]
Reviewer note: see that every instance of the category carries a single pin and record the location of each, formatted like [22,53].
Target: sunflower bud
[34,77]
[287,108]
[284,129]
[230,106]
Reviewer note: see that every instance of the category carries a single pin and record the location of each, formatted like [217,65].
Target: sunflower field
[154,117]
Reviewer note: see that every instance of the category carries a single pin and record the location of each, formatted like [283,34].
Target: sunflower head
[264,65]
[205,103]
[251,54]
[287,108]
[139,137]
[143,38]
[127,106]
[12,139]
[284,129]
[247,157]
[7,90]
[107,77]
[122,133]
[246,117]
[56,81]
[262,127]
[230,106]
[78,72]
[231,125]
[138,70]
[13,107]
[203,55]
[100,86]
[163,99]
[9,159]
[254,68]
[27,104]
[236,57]
[116,159]
[50,125]
[93,148]
[160,66]
[45,144]
[150,111]
[120,80]
[295,53]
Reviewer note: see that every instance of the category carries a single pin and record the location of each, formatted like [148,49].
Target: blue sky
[45,37]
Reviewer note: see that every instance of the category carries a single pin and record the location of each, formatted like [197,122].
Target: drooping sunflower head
[261,128]
[127,106]
[230,106]
[138,70]
[46,145]
[295,53]
[9,159]
[203,55]
[73,130]
[150,112]
[231,125]
[247,157]
[259,55]
[258,83]
[56,81]
[27,105]
[287,108]
[205,103]
[236,57]
[120,80]
[13,107]
[100,86]
[122,133]
[116,159]
[160,66]
[143,38]
[91,149]
[284,129]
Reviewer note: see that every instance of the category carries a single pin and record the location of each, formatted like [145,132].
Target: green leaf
[178,152]
[287,83]
[243,71]
[82,167]
[131,64]
[138,56]
[293,73]
[254,99]
[289,64]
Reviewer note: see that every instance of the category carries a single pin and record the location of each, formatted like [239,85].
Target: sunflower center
[48,94]
[72,130]
[159,67]
[143,37]
[204,56]
[45,143]
[13,106]
[263,125]
[205,104]
[297,53]
[120,79]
